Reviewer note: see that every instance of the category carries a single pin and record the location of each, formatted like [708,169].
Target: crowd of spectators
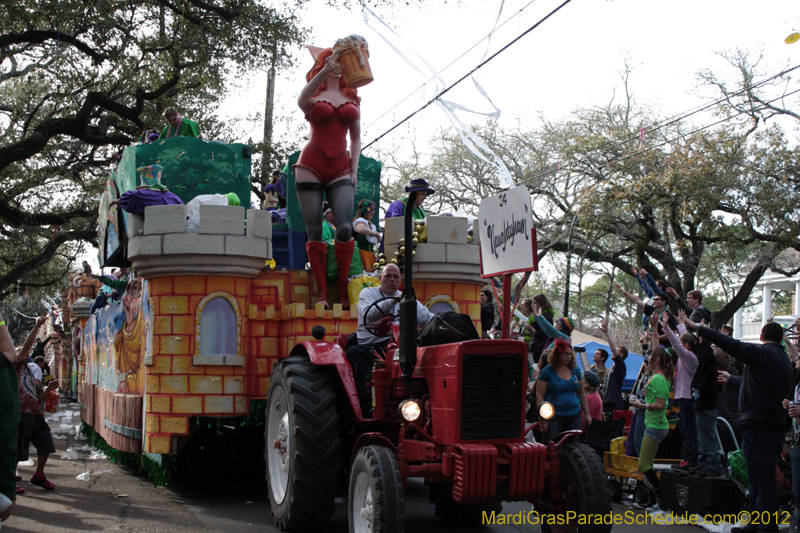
[701,373]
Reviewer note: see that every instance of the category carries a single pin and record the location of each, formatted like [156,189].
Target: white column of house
[767,304]
[796,310]
[737,324]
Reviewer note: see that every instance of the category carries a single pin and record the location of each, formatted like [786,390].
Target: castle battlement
[228,243]
[446,256]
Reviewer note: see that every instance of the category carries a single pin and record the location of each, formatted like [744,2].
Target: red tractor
[453,414]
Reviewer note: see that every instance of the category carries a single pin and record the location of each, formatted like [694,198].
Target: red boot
[344,257]
[317,252]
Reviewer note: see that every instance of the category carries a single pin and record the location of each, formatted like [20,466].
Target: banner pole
[506,310]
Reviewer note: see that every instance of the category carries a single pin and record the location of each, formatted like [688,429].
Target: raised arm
[683,305]
[632,297]
[315,83]
[30,339]
[685,320]
[642,283]
[685,355]
[548,328]
[648,280]
[611,344]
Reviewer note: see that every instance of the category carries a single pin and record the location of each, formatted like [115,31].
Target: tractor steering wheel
[373,329]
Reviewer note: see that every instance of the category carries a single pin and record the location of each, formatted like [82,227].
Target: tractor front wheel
[584,491]
[375,503]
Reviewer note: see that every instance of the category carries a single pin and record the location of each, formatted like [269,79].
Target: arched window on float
[441,303]
[217,335]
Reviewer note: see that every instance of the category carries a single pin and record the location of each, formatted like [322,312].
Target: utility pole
[266,160]
[569,259]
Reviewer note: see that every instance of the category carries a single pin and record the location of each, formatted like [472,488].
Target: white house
[771,281]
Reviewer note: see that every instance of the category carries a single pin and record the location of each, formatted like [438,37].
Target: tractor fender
[562,439]
[370,439]
[332,354]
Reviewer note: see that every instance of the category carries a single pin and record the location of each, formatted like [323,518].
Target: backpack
[447,327]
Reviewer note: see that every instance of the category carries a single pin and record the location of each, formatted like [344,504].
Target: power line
[467,74]
[624,158]
[703,107]
[453,62]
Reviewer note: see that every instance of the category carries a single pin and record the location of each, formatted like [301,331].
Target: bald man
[363,355]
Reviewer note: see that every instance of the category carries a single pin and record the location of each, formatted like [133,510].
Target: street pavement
[116,498]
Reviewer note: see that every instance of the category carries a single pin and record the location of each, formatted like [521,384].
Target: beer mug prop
[353,56]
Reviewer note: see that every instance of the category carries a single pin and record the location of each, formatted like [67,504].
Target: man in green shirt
[178,126]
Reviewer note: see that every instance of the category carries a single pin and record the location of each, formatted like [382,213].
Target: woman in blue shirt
[560,384]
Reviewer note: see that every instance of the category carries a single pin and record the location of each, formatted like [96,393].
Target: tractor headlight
[410,410]
[546,411]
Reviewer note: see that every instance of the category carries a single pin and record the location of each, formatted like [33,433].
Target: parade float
[184,359]
[224,340]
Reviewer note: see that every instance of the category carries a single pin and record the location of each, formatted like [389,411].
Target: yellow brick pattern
[161,364]
[242,405]
[205,384]
[187,404]
[162,325]
[174,384]
[182,364]
[219,404]
[233,385]
[152,384]
[151,424]
[175,424]
[160,404]
[160,286]
[174,344]
[242,286]
[190,285]
[465,292]
[220,284]
[183,324]
[173,305]
[158,444]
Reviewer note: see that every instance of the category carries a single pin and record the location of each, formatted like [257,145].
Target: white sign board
[505,222]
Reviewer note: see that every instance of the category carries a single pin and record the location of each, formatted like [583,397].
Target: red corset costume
[326,152]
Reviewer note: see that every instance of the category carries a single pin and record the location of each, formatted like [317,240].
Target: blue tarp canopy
[633,362]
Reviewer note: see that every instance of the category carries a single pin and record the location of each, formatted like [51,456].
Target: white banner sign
[505,233]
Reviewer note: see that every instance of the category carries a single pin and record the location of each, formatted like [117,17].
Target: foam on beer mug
[352,55]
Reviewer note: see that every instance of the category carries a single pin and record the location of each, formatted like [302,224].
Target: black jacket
[766,380]
[705,378]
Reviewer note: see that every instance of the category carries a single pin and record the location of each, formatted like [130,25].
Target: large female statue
[332,110]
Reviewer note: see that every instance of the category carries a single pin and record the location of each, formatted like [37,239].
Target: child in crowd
[590,384]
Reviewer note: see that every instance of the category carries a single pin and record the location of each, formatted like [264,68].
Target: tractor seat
[342,339]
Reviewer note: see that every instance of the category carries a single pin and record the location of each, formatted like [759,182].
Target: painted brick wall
[275,315]
[177,388]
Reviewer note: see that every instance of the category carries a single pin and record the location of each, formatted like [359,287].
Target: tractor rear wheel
[375,499]
[302,444]
[584,488]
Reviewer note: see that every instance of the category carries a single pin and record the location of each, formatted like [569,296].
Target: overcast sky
[572,60]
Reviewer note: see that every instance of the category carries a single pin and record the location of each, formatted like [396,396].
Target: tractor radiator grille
[491,396]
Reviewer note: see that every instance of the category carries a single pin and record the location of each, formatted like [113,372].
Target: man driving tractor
[377,302]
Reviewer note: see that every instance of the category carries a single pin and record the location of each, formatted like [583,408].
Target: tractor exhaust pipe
[408,300]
